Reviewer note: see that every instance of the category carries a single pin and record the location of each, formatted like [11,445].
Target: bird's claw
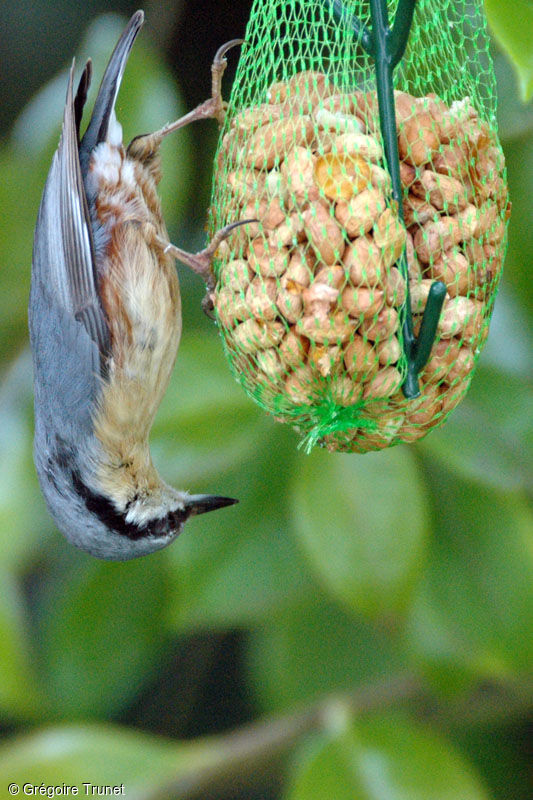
[201,262]
[218,68]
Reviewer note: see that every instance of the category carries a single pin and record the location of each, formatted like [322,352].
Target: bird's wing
[63,256]
[104,106]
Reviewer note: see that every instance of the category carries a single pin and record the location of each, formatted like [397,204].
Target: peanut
[443,354]
[293,349]
[242,184]
[361,302]
[340,176]
[269,361]
[231,306]
[343,391]
[434,238]
[417,211]
[250,119]
[337,121]
[324,233]
[300,267]
[452,269]
[253,335]
[395,288]
[358,145]
[252,229]
[301,386]
[289,232]
[297,171]
[267,259]
[340,102]
[405,104]
[462,366]
[418,138]
[389,351]
[422,410]
[333,276]
[415,271]
[358,215]
[235,274]
[380,179]
[452,160]
[261,298]
[384,325]
[363,260]
[467,219]
[419,295]
[389,423]
[474,251]
[319,298]
[407,173]
[310,84]
[455,394]
[461,317]
[385,384]
[273,214]
[311,305]
[323,359]
[334,328]
[359,358]
[270,143]
[486,219]
[389,235]
[441,191]
[274,184]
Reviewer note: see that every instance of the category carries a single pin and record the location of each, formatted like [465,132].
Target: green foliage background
[375,612]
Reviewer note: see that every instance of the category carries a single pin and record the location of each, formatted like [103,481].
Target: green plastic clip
[386,47]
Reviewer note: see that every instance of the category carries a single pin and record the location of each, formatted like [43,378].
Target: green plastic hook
[386,47]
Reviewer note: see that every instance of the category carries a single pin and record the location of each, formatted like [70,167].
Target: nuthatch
[105,324]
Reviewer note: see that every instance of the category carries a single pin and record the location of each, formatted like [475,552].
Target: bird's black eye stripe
[102,508]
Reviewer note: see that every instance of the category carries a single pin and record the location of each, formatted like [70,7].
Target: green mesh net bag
[356,306]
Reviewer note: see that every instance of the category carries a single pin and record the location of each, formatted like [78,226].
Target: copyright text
[65,790]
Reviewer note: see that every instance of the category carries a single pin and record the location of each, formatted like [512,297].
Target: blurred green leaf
[327,768]
[315,648]
[384,758]
[519,158]
[501,754]
[101,754]
[102,632]
[515,119]
[24,520]
[403,759]
[511,21]
[473,613]
[362,522]
[20,190]
[508,347]
[19,693]
[487,440]
[235,571]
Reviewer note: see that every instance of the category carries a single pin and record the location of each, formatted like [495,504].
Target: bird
[105,323]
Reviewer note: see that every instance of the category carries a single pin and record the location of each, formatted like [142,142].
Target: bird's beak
[202,503]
